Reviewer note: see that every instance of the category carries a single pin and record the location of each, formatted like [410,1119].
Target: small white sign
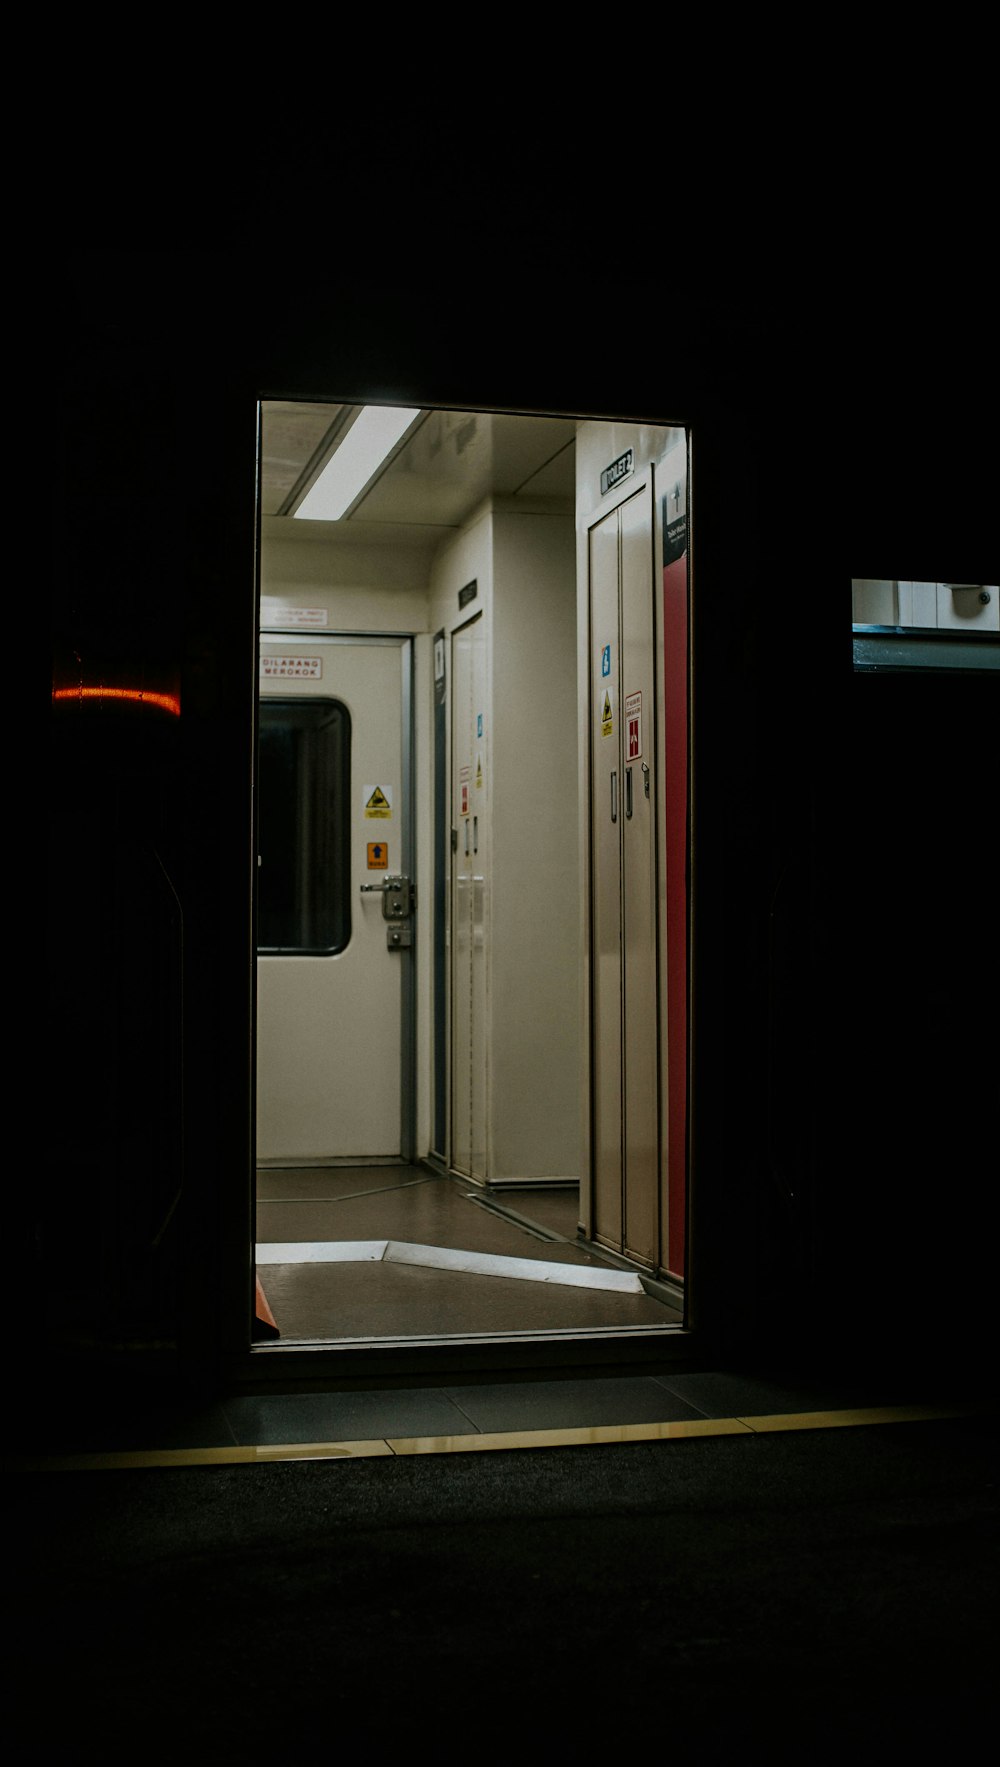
[633,727]
[275,614]
[291,668]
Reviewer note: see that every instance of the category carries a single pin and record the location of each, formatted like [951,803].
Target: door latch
[399,899]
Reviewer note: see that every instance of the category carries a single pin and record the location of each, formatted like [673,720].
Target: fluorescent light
[371,437]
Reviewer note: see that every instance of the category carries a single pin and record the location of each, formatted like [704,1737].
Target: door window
[304,904]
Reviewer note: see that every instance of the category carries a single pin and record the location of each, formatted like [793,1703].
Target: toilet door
[624,1019]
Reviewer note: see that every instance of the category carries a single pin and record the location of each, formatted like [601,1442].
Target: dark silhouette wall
[845,979]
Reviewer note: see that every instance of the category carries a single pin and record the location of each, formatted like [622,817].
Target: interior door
[625,1129]
[333,972]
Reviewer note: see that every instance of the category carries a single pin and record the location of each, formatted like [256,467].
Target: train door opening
[468,926]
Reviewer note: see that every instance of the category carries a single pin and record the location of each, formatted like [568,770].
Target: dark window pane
[304,771]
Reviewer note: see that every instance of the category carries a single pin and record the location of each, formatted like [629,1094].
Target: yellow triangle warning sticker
[479,770]
[607,720]
[378,803]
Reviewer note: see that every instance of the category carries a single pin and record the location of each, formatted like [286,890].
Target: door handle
[628,793]
[614,797]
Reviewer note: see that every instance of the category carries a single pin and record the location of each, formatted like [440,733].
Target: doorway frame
[356,1364]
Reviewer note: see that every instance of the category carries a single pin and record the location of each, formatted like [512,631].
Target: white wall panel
[523,565]
[875,602]
[917,604]
[378,586]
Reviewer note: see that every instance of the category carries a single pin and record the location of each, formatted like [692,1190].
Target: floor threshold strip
[393,1251]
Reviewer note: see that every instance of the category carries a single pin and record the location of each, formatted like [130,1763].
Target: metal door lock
[399,938]
[399,897]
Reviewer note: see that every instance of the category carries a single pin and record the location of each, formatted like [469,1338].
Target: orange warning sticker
[378,855]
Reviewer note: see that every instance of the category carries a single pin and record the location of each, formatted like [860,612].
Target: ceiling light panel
[365,447]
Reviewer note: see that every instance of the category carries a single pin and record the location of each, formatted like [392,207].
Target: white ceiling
[443,470]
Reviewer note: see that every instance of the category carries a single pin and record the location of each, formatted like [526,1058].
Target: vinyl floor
[356,1206]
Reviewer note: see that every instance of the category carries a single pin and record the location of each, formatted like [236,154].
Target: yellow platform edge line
[831,1420]
[488,1441]
[234,1456]
[482,1442]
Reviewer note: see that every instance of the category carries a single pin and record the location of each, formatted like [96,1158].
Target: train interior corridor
[472,818]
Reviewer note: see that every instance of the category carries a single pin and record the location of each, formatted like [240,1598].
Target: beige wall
[378,586]
[535,1069]
[523,564]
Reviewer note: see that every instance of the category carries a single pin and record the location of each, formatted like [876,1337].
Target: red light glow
[165,702]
